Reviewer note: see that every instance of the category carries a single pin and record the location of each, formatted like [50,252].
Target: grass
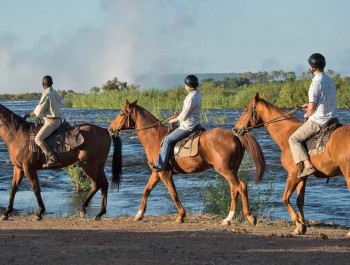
[217,197]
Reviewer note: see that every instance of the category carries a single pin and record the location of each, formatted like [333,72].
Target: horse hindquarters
[338,152]
[225,153]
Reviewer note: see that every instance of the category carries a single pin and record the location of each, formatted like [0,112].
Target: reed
[217,197]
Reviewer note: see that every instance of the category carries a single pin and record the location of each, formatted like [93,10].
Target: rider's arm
[311,107]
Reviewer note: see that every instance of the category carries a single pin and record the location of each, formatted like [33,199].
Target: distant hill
[172,80]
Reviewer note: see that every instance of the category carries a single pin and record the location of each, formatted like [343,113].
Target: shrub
[78,178]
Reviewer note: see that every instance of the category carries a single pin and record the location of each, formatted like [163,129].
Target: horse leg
[104,192]
[234,195]
[152,182]
[167,178]
[237,184]
[291,185]
[345,169]
[32,176]
[300,201]
[92,174]
[16,181]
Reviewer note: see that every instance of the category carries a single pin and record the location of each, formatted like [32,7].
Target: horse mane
[148,115]
[13,119]
[278,110]
[145,113]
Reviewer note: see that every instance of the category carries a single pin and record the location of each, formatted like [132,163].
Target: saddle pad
[187,147]
[317,144]
[62,140]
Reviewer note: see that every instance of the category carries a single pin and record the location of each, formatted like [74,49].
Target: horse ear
[127,102]
[256,96]
[135,102]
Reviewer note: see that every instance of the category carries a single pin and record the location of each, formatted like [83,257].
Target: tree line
[281,88]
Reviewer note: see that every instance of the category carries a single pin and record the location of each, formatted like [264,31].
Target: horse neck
[9,125]
[279,130]
[149,137]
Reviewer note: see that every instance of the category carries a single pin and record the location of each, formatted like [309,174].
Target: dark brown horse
[218,148]
[91,155]
[280,125]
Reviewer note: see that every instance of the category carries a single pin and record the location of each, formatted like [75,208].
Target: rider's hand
[173,120]
[176,113]
[305,106]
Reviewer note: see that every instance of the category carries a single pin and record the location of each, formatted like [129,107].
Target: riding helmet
[192,81]
[317,60]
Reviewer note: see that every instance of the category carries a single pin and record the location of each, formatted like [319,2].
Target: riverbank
[159,240]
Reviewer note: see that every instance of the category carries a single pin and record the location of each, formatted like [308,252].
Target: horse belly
[193,164]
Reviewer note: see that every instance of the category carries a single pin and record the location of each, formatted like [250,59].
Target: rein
[279,118]
[154,124]
[273,120]
[149,126]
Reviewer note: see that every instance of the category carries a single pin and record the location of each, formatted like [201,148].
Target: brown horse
[280,125]
[91,155]
[218,148]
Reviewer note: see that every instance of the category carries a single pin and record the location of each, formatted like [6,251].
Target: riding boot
[51,159]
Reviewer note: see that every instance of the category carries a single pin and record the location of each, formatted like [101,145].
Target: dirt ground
[159,240]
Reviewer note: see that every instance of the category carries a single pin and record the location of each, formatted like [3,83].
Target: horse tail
[117,161]
[256,155]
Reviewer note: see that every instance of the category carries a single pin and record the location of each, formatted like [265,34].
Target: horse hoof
[179,220]
[138,216]
[4,217]
[252,220]
[98,218]
[38,218]
[226,223]
[300,229]
[82,214]
[303,230]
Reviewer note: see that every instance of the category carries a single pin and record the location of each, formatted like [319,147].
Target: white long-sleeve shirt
[49,105]
[323,93]
[191,110]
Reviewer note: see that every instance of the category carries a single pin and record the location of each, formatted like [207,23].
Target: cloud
[136,37]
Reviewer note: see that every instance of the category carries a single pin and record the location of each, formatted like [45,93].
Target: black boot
[52,161]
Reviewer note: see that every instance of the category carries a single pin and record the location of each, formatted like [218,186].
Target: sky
[85,43]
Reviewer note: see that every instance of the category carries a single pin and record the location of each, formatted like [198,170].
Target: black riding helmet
[317,60]
[191,81]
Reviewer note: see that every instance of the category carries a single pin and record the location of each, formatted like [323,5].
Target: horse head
[249,117]
[125,119]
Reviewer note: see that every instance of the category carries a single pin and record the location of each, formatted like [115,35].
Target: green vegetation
[217,197]
[77,177]
[26,96]
[280,88]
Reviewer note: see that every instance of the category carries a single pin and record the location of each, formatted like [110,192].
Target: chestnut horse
[218,148]
[280,125]
[91,155]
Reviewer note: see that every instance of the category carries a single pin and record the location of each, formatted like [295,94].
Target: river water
[326,202]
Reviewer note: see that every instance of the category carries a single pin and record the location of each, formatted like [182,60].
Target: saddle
[188,146]
[65,138]
[317,144]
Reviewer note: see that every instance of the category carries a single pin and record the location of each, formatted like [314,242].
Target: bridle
[130,123]
[253,115]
